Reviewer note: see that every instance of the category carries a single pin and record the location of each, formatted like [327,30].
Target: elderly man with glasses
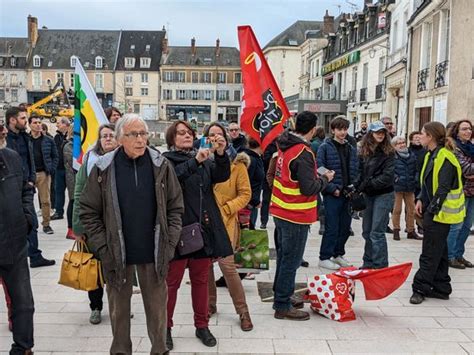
[239,141]
[387,122]
[131,209]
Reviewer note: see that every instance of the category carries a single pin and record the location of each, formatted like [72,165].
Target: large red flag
[263,109]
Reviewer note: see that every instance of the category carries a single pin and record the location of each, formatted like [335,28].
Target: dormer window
[36,61]
[13,62]
[145,62]
[147,47]
[129,62]
[73,61]
[99,62]
[132,47]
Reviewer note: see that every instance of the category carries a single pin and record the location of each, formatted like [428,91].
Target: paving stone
[456,322]
[287,346]
[402,322]
[389,346]
[448,335]
[249,346]
[416,311]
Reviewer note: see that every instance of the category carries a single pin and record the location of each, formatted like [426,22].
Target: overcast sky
[203,19]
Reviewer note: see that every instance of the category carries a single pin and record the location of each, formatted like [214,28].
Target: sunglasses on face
[183,132]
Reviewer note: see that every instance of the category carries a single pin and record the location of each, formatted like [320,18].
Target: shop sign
[342,62]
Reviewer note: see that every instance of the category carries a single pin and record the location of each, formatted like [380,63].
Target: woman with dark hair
[197,172]
[318,139]
[106,143]
[461,135]
[231,196]
[441,203]
[113,114]
[376,179]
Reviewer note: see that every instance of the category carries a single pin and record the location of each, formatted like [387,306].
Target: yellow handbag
[80,270]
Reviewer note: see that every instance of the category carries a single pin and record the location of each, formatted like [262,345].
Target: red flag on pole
[263,109]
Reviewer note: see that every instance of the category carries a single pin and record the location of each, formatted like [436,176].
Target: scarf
[467,148]
[404,153]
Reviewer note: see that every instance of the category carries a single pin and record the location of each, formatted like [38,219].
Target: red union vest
[288,203]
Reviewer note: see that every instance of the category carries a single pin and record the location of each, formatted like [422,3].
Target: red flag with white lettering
[263,109]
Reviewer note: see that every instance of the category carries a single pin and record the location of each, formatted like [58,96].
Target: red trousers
[199,274]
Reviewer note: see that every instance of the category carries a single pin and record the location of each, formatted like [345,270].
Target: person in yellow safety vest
[441,203]
[293,206]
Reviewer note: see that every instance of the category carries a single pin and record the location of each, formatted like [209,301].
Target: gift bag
[80,270]
[253,254]
[332,296]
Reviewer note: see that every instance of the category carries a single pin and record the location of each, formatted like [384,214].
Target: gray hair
[397,139]
[125,121]
[65,120]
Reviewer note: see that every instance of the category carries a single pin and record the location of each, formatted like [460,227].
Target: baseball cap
[376,126]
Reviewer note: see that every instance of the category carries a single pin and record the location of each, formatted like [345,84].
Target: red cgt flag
[263,109]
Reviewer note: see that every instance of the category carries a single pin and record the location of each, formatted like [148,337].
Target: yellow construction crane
[52,111]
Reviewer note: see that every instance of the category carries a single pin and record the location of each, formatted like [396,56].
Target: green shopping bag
[253,255]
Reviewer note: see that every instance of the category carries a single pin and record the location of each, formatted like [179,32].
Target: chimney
[193,46]
[164,45]
[218,47]
[32,31]
[328,23]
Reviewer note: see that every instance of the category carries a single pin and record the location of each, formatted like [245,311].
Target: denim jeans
[291,243]
[337,227]
[17,280]
[60,178]
[374,225]
[458,233]
[33,252]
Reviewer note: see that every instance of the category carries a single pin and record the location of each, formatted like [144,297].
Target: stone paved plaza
[391,325]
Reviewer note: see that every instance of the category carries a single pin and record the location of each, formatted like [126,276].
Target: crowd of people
[148,216]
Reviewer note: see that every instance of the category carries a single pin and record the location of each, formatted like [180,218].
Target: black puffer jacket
[376,173]
[14,217]
[191,175]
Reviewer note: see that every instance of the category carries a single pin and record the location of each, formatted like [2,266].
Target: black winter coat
[50,154]
[191,175]
[256,176]
[15,220]
[406,174]
[376,173]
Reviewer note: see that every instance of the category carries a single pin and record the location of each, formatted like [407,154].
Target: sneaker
[292,314]
[56,216]
[389,230]
[329,264]
[95,317]
[465,262]
[205,335]
[169,339]
[341,261]
[263,226]
[70,234]
[456,264]
[221,282]
[48,230]
[41,262]
[416,298]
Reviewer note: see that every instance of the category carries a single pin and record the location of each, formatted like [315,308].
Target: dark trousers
[95,297]
[60,179]
[199,275]
[291,244]
[266,196]
[17,280]
[70,206]
[337,227]
[33,252]
[433,272]
[154,301]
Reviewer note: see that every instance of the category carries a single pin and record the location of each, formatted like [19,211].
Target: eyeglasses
[135,135]
[110,135]
[466,129]
[234,129]
[183,132]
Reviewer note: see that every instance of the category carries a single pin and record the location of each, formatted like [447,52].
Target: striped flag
[88,115]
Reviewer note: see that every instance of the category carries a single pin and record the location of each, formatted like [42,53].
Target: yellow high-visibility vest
[453,209]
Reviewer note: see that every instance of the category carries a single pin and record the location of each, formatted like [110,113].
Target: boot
[413,235]
[396,234]
[292,314]
[245,322]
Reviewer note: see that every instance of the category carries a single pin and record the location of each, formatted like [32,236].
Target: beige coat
[233,195]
